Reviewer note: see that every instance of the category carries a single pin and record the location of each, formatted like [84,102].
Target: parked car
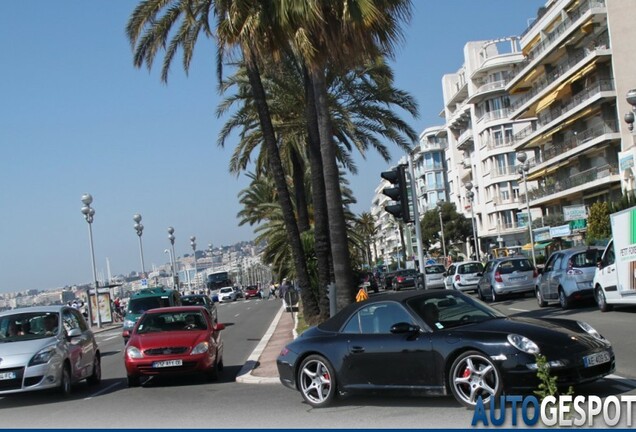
[145,299]
[386,280]
[239,292]
[433,276]
[367,279]
[445,342]
[201,300]
[253,291]
[462,276]
[46,347]
[404,279]
[227,294]
[567,276]
[174,341]
[508,275]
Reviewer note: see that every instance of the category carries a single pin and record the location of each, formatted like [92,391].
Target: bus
[218,280]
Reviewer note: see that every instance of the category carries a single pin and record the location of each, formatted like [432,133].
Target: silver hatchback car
[46,347]
[506,276]
[567,276]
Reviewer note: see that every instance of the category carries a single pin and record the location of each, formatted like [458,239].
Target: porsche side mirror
[404,327]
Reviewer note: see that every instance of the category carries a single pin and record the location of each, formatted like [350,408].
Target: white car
[462,276]
[46,347]
[227,294]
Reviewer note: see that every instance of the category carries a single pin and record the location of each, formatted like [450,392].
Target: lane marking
[519,310]
[236,315]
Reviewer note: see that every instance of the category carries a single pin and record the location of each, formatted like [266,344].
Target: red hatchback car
[172,341]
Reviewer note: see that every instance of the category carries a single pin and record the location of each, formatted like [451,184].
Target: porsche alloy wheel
[317,381]
[472,375]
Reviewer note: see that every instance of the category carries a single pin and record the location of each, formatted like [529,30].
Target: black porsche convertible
[436,342]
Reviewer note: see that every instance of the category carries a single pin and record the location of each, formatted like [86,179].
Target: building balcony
[561,71]
[558,116]
[495,115]
[501,171]
[496,143]
[465,140]
[578,139]
[487,89]
[499,201]
[552,185]
[569,24]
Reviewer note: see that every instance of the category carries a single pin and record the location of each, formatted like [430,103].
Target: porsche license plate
[167,363]
[596,359]
[8,375]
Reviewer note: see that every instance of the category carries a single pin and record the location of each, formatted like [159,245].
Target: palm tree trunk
[321,222]
[345,289]
[310,307]
[300,195]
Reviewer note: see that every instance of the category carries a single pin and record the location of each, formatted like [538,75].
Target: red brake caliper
[466,373]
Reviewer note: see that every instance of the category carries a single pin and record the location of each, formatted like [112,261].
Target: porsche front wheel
[317,381]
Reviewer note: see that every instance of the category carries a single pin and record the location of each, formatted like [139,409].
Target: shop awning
[537,246]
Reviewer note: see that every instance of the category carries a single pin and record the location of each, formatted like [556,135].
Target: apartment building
[556,93]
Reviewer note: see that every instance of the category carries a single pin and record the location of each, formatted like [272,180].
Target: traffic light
[398,193]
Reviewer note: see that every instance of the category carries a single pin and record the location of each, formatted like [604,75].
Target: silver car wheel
[317,381]
[473,375]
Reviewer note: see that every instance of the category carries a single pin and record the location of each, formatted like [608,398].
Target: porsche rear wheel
[317,381]
[473,374]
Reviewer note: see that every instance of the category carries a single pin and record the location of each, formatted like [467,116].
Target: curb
[245,374]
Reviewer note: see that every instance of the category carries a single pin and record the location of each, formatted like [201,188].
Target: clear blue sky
[76,117]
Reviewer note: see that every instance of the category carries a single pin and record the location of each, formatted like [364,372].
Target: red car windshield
[171,321]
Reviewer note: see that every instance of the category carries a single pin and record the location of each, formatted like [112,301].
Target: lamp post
[89,214]
[171,266]
[523,170]
[441,227]
[211,257]
[140,229]
[194,255]
[471,195]
[499,238]
[175,277]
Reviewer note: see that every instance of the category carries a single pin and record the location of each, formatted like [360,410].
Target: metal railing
[557,32]
[495,115]
[559,70]
[500,171]
[553,185]
[578,139]
[504,141]
[547,116]
[495,85]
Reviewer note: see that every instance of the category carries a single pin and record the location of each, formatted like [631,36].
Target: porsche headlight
[42,356]
[133,352]
[200,348]
[590,330]
[523,344]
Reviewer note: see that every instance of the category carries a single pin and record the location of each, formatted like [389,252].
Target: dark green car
[146,299]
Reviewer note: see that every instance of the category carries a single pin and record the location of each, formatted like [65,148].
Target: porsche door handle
[357,349]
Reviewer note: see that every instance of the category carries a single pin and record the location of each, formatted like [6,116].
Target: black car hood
[551,335]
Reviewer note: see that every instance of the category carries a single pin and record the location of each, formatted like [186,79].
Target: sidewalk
[260,367]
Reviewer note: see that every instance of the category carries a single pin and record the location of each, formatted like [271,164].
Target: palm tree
[340,34]
[246,26]
[368,229]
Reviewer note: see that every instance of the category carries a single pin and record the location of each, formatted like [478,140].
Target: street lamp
[441,227]
[211,257]
[499,238]
[175,277]
[194,252]
[89,214]
[140,229]
[471,195]
[171,267]
[523,170]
